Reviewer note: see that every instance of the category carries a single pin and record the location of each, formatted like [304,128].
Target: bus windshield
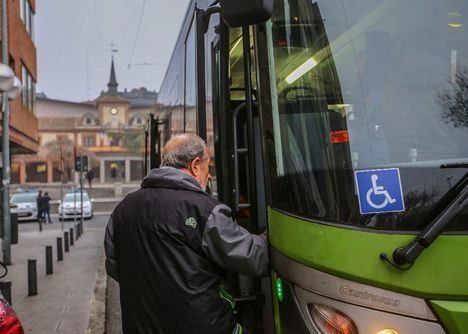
[361,85]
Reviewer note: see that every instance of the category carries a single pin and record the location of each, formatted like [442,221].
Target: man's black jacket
[168,245]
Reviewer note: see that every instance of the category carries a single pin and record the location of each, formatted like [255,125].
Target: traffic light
[78,163]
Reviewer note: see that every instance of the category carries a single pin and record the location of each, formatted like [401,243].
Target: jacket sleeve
[111,263]
[233,247]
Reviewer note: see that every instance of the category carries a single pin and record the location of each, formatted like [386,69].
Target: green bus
[341,126]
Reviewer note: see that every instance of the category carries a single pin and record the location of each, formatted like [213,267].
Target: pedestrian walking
[113,172]
[170,246]
[90,177]
[46,207]
[40,209]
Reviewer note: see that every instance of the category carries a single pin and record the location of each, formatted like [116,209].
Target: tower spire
[113,84]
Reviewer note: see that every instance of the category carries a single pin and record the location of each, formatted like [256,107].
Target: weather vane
[113,49]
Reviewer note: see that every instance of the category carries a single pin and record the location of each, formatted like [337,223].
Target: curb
[97,317]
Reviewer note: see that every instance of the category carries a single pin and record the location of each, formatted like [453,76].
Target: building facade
[23,60]
[110,130]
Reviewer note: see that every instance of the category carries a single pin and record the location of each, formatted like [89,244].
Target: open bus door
[157,133]
[238,159]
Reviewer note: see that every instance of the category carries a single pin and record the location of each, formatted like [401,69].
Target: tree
[454,101]
[133,141]
[62,154]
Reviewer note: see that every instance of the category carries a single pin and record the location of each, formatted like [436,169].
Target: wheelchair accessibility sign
[380,191]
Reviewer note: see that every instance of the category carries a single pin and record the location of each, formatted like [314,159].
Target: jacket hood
[169,177]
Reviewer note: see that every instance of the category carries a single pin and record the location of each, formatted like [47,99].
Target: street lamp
[15,90]
[10,89]
[7,78]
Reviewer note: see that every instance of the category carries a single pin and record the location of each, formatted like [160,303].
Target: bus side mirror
[238,13]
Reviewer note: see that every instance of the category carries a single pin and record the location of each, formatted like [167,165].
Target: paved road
[65,298]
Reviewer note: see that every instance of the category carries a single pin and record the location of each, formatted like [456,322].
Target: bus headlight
[331,321]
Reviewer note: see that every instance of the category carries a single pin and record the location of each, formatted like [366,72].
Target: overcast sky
[68,30]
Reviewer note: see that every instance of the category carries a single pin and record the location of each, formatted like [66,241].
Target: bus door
[238,157]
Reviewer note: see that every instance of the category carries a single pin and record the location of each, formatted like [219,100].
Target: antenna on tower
[113,49]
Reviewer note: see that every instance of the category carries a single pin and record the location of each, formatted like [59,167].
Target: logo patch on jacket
[192,222]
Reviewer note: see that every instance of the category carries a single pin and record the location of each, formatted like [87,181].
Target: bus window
[362,85]
[190,92]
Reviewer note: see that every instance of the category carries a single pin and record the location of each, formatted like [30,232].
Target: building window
[138,120]
[22,9]
[115,141]
[88,141]
[27,16]
[28,94]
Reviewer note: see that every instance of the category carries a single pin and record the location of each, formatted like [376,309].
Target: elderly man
[169,245]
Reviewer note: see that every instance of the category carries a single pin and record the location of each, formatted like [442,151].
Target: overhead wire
[137,32]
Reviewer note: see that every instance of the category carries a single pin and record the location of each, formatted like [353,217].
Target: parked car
[24,204]
[70,206]
[9,321]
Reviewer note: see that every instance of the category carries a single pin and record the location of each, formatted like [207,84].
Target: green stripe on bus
[439,273]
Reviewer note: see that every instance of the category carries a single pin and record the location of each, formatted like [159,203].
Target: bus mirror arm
[407,255]
[239,13]
[207,15]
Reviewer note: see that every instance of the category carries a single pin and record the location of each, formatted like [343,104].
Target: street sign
[380,191]
[78,164]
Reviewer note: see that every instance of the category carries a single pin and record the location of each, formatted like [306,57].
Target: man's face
[200,169]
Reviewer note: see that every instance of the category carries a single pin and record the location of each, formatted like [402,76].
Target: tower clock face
[114,111]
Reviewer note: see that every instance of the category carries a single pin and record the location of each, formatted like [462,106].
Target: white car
[24,204]
[70,206]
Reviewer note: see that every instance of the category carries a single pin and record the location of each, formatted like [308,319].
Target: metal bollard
[81,228]
[32,278]
[59,249]
[5,287]
[72,237]
[14,228]
[49,261]
[67,245]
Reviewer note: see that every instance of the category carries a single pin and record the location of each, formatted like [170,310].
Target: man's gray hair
[181,150]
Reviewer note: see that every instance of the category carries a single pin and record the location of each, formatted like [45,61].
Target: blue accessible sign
[380,191]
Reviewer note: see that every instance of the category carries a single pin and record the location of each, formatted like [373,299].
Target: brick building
[23,60]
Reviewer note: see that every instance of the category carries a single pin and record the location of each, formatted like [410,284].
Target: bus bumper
[294,315]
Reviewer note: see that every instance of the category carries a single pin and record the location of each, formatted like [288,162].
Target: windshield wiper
[455,165]
[457,198]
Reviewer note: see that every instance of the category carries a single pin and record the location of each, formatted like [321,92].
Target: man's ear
[195,166]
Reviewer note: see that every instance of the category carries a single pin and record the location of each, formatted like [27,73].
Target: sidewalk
[64,299]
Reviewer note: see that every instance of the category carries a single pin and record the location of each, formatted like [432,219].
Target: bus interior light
[295,75]
[331,321]
[387,331]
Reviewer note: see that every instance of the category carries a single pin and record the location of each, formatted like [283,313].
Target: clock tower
[113,109]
